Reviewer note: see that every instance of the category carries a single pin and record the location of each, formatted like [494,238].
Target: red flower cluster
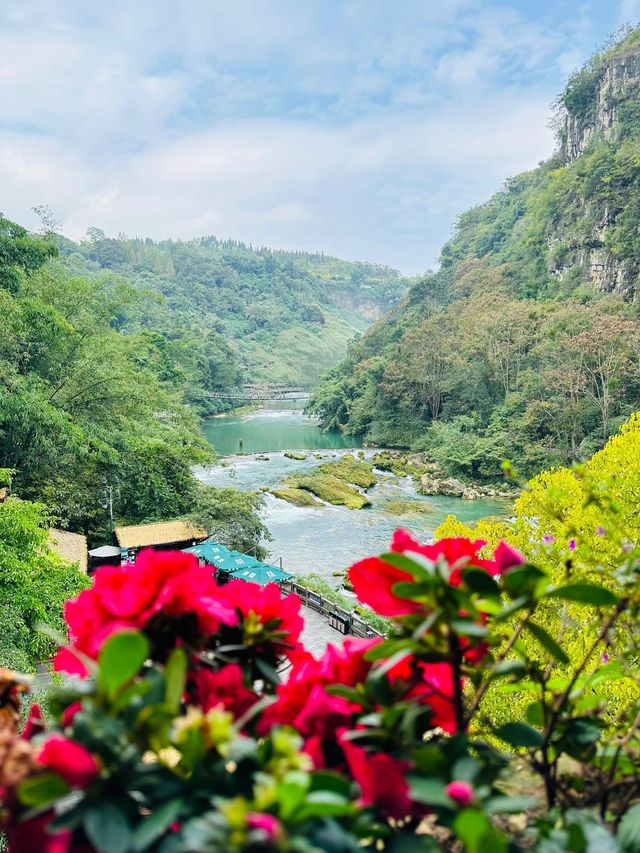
[121,597]
[174,584]
[223,688]
[323,719]
[373,579]
[265,616]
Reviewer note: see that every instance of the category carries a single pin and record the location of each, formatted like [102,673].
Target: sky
[360,128]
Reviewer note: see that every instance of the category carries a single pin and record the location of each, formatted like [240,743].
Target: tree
[231,518]
[34,585]
[21,253]
[609,355]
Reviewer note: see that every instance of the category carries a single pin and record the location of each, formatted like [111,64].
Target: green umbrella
[261,573]
[213,553]
[238,566]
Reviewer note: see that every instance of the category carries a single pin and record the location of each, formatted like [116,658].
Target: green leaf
[535,714]
[629,831]
[429,791]
[381,651]
[585,593]
[522,579]
[121,659]
[469,629]
[42,789]
[267,671]
[478,835]
[409,589]
[175,675]
[519,734]
[326,780]
[501,805]
[481,582]
[547,642]
[107,828]
[509,667]
[151,828]
[417,565]
[323,804]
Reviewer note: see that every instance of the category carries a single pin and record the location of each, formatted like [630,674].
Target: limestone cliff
[600,105]
[612,83]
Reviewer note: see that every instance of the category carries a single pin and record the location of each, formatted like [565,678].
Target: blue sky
[357,127]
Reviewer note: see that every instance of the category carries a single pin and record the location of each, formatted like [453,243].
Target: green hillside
[525,344]
[263,315]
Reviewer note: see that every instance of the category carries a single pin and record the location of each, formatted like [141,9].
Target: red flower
[345,665]
[507,557]
[382,781]
[69,713]
[32,835]
[34,724]
[278,615]
[208,689]
[373,580]
[70,760]
[436,689]
[323,714]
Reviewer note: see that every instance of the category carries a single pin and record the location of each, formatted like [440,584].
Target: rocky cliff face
[615,82]
[602,95]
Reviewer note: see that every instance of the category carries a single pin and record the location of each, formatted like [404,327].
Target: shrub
[177,733]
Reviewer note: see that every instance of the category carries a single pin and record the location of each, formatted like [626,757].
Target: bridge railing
[342,620]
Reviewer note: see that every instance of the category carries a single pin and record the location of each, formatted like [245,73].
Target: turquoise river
[326,539]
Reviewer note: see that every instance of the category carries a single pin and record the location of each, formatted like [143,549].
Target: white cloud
[359,127]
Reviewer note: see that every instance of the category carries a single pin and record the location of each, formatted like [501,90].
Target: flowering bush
[195,721]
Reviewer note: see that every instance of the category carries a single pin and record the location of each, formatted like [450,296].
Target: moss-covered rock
[350,470]
[400,507]
[329,488]
[339,483]
[297,497]
[402,464]
[294,454]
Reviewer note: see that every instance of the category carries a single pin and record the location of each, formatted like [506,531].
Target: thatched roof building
[69,546]
[162,534]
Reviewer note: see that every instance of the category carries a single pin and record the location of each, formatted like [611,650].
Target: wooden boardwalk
[317,633]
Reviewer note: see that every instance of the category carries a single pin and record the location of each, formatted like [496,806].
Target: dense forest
[525,344]
[89,397]
[227,313]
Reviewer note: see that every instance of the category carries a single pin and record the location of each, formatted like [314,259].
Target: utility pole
[110,493]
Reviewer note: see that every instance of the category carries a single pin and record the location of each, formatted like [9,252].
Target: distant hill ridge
[286,316]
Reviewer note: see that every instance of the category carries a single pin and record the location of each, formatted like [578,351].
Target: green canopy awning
[238,566]
[260,573]
[213,553]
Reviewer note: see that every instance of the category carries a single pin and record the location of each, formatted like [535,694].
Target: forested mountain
[525,344]
[231,313]
[82,402]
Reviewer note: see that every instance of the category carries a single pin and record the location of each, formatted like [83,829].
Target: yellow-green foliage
[598,506]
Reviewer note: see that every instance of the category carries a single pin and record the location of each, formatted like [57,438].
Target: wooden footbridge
[261,393]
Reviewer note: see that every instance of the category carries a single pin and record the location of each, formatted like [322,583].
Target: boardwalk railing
[338,618]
